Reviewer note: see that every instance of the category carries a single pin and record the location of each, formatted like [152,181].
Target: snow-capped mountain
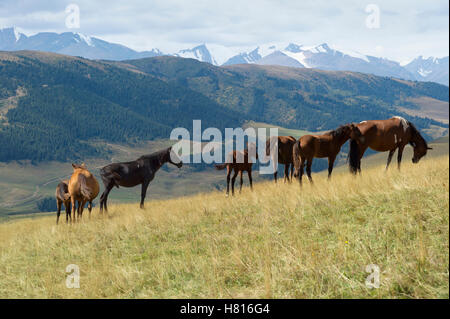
[69,43]
[200,53]
[323,56]
[430,69]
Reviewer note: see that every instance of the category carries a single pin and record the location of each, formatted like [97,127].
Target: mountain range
[323,56]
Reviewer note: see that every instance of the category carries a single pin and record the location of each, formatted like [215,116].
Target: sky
[394,29]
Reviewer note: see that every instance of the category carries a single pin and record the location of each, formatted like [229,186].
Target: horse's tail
[84,188]
[221,166]
[353,156]
[109,175]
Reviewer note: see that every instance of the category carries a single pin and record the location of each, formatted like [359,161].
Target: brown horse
[83,188]
[387,135]
[62,197]
[325,145]
[240,162]
[284,144]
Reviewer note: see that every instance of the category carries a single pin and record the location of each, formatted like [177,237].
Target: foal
[239,162]
[62,197]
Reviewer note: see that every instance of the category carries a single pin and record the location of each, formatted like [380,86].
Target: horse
[284,144]
[387,135]
[62,197]
[239,162]
[326,145]
[141,171]
[83,188]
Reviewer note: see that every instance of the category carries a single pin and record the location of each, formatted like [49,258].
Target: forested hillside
[70,101]
[56,107]
[296,98]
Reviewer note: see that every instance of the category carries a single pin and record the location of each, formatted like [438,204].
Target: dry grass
[276,242]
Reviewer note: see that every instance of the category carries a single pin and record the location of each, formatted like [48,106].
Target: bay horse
[83,188]
[239,162]
[284,146]
[141,171]
[387,135]
[62,197]
[326,145]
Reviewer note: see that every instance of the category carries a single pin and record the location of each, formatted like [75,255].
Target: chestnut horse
[83,188]
[62,197]
[387,135]
[284,144]
[325,145]
[239,162]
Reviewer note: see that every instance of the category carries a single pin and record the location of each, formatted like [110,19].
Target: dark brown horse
[325,145]
[238,162]
[141,171]
[284,146]
[62,197]
[387,135]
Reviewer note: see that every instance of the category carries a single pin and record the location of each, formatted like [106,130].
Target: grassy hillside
[278,241]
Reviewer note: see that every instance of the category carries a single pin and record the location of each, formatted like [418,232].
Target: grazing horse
[83,188]
[239,162]
[141,171]
[326,145]
[62,197]
[284,144]
[387,135]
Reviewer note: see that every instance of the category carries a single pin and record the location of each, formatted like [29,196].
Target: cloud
[407,28]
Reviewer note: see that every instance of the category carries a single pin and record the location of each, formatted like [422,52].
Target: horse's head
[354,133]
[420,146]
[77,166]
[174,159]
[420,149]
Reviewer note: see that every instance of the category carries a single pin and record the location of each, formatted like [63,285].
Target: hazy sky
[406,28]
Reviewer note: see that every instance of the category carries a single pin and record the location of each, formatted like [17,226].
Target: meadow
[278,241]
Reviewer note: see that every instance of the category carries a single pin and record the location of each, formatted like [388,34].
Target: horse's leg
[73,217]
[81,208]
[286,172]
[399,155]
[143,192]
[249,173]
[292,171]
[302,167]
[242,181]
[58,212]
[67,206]
[233,179]
[275,176]
[228,178]
[361,154]
[90,208]
[104,198]
[331,160]
[308,169]
[391,153]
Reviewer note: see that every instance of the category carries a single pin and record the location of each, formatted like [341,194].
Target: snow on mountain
[322,56]
[200,53]
[429,69]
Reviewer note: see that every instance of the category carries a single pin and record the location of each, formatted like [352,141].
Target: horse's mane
[416,134]
[156,155]
[337,132]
